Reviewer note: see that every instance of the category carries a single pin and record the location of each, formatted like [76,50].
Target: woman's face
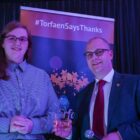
[15,45]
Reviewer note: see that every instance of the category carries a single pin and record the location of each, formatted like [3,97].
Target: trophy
[64,105]
[66,112]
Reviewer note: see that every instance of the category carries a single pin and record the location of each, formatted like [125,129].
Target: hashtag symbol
[37,22]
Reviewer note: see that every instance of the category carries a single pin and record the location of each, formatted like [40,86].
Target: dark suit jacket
[123,111]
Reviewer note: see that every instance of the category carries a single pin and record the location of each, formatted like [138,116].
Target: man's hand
[21,124]
[62,128]
[112,136]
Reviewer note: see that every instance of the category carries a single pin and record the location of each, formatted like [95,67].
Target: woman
[28,102]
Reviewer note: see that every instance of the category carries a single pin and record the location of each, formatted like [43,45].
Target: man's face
[99,58]
[15,45]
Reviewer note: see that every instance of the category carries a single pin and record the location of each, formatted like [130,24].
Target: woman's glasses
[13,39]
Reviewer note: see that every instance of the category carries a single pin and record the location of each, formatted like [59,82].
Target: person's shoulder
[128,76]
[36,70]
[30,66]
[83,96]
[86,90]
[88,87]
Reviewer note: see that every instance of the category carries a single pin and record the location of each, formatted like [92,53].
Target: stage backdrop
[59,40]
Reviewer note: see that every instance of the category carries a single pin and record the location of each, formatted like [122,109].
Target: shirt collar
[21,66]
[108,78]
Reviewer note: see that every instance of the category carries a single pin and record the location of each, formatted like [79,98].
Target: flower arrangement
[65,80]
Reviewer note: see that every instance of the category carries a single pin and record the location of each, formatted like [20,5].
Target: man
[121,98]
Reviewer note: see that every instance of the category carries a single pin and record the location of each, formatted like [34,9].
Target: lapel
[114,95]
[86,108]
[88,96]
[90,91]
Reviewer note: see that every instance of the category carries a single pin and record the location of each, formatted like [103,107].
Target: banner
[59,41]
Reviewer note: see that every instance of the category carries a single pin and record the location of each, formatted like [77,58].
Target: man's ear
[111,54]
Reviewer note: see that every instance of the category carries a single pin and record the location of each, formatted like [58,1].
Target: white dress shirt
[107,87]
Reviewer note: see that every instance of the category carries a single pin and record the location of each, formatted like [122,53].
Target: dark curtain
[127,23]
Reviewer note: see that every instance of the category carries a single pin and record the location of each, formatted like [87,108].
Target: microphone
[89,134]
